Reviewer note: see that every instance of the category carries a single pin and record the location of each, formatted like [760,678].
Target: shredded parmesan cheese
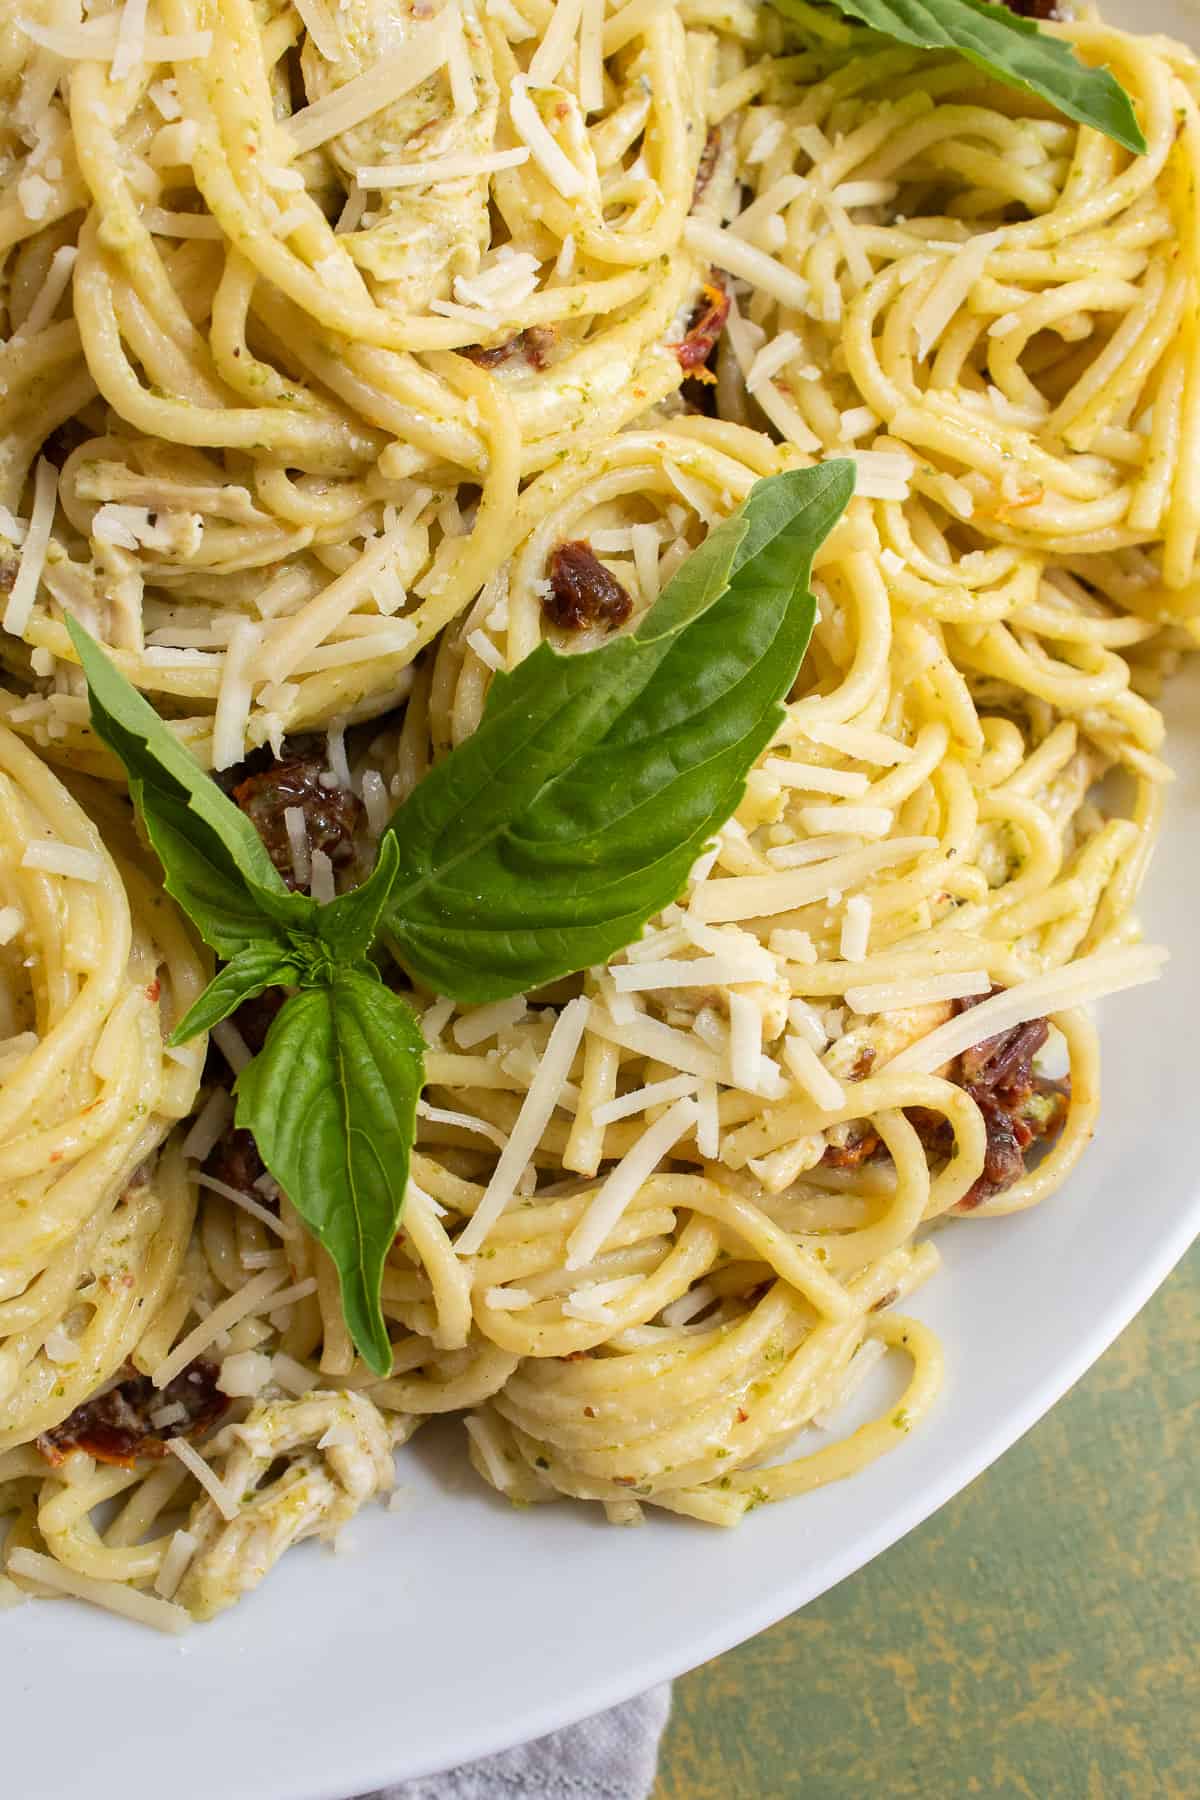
[862,821]
[881,474]
[458,62]
[536,1109]
[130,47]
[696,1300]
[60,1347]
[482,1434]
[745,1042]
[1091,978]
[959,273]
[814,779]
[737,257]
[547,153]
[63,859]
[292,1376]
[237,1306]
[507,1299]
[649,1037]
[112,1596]
[441,1115]
[895,996]
[244,1374]
[315,18]
[320,883]
[232,1045]
[758,896]
[33,552]
[50,293]
[620,1187]
[235,1196]
[391,78]
[591,56]
[437,169]
[810,1073]
[97,40]
[701,971]
[771,358]
[234,695]
[860,742]
[556,42]
[856,928]
[487,1021]
[297,836]
[225,1501]
[181,224]
[209,1125]
[180,1551]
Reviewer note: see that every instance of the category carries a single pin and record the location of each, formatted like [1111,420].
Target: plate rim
[951,1477]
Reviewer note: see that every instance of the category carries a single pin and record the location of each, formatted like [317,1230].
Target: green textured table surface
[1036,1638]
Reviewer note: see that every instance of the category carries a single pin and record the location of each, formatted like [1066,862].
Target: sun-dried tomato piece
[854,1145]
[116,1427]
[235,1161]
[705,325]
[583,593]
[1020,1109]
[332,815]
[534,344]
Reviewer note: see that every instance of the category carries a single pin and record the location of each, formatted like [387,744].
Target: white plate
[461,1626]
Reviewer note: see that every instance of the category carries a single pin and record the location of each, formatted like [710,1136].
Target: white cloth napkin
[613,1756]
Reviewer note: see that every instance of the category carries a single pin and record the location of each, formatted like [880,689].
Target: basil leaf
[214,861]
[574,812]
[229,912]
[1010,49]
[331,1100]
[253,969]
[349,925]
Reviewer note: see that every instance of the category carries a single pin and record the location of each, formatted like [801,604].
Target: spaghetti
[346,362]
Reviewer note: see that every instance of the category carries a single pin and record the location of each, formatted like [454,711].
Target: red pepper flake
[153,990]
[742,1414]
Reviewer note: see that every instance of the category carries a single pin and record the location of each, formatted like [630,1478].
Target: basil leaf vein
[331,1100]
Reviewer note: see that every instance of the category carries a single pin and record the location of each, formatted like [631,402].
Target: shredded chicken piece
[317,1493]
[418,239]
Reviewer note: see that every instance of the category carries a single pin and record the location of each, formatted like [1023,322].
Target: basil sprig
[538,847]
[1005,46]
[575,810]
